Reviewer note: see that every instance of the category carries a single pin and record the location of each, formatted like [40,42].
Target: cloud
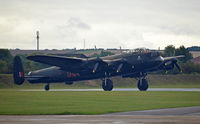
[77,23]
[187,29]
[108,24]
[72,32]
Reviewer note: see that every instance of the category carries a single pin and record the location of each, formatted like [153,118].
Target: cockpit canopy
[142,52]
[137,50]
[146,51]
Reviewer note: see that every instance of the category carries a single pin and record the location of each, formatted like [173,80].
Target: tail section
[18,71]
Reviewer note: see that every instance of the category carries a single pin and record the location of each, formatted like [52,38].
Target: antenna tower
[37,33]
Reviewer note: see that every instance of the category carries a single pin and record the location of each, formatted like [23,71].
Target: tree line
[6,60]
[185,63]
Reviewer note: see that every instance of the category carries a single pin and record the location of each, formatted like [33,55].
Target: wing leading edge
[63,62]
[172,58]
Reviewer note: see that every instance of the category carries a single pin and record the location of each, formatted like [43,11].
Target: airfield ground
[14,102]
[155,81]
[99,119]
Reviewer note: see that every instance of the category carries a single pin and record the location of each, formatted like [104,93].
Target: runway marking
[119,89]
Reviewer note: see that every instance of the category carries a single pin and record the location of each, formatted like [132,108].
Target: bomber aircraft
[69,69]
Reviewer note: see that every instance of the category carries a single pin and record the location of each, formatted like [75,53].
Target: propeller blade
[119,68]
[95,67]
[178,67]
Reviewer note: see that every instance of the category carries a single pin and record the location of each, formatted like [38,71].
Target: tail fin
[18,71]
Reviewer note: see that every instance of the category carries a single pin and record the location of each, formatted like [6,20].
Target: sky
[105,23]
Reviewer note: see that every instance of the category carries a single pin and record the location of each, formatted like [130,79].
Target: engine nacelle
[169,67]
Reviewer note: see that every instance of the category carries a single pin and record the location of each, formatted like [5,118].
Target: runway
[171,111]
[119,89]
[99,119]
[185,115]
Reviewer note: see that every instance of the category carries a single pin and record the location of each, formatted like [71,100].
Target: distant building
[195,53]
[196,60]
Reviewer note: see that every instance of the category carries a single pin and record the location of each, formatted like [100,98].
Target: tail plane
[18,71]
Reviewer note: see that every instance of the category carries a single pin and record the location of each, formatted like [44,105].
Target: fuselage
[135,63]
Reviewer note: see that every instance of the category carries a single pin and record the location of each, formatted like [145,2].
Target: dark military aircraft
[70,69]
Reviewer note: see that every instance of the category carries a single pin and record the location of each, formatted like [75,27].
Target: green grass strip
[37,103]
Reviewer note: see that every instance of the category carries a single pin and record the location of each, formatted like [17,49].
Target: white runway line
[119,89]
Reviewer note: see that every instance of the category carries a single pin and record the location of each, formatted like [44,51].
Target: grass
[28,103]
[155,81]
[13,102]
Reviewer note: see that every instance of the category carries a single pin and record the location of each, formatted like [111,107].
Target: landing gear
[46,87]
[143,84]
[107,84]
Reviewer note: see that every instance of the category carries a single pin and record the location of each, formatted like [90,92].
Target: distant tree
[169,50]
[5,55]
[5,61]
[183,51]
[190,67]
[3,67]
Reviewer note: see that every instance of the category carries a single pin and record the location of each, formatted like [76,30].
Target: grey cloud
[72,28]
[181,29]
[107,23]
[77,23]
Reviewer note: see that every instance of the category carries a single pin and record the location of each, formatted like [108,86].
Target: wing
[72,64]
[63,62]
[172,58]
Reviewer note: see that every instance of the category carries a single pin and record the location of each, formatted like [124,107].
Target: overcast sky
[104,23]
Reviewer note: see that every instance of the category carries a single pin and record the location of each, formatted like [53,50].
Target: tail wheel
[107,85]
[46,87]
[143,84]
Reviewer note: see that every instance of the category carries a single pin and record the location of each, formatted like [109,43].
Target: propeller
[95,67]
[172,63]
[119,67]
[177,66]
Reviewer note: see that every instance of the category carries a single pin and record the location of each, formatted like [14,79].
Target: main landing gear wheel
[143,84]
[107,85]
[46,87]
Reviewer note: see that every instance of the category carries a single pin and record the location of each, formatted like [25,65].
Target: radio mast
[37,33]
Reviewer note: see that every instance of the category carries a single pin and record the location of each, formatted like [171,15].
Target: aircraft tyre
[46,87]
[143,84]
[107,85]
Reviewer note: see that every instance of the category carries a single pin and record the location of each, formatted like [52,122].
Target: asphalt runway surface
[171,111]
[120,89]
[186,115]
